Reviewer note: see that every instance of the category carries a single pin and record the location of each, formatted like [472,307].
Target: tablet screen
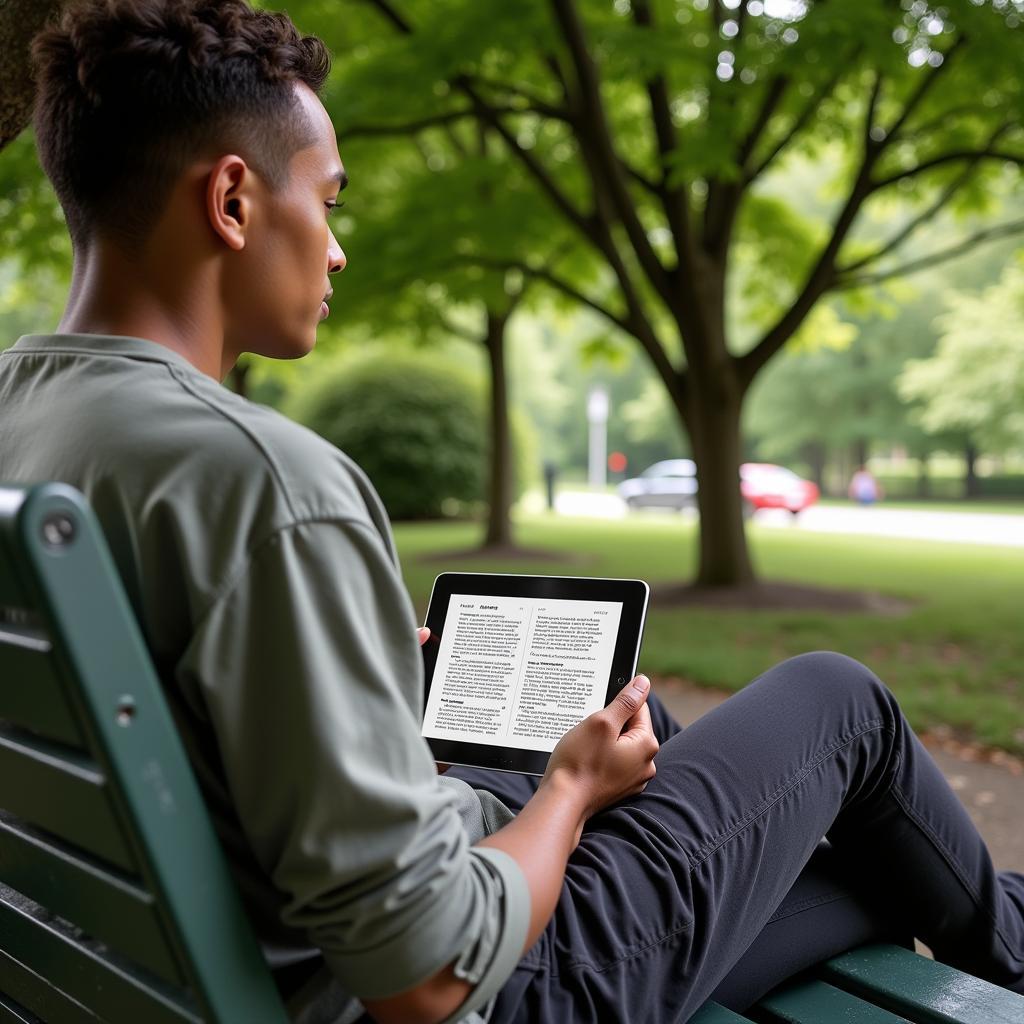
[520,671]
[514,662]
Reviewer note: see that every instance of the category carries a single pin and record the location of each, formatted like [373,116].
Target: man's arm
[607,757]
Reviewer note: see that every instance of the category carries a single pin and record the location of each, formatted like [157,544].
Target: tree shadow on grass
[507,553]
[777,596]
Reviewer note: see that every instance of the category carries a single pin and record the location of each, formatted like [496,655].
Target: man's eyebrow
[341,178]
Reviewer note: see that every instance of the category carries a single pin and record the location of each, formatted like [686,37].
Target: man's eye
[333,207]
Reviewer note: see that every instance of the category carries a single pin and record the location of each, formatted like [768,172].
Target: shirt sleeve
[312,677]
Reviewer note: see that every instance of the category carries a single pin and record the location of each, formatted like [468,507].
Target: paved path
[963,527]
[992,792]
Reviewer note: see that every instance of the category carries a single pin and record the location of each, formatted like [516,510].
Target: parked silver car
[668,484]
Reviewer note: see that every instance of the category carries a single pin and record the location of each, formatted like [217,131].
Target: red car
[764,485]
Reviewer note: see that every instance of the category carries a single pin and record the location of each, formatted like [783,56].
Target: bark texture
[499,488]
[20,20]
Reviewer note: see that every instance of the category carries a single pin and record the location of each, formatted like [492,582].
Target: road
[961,527]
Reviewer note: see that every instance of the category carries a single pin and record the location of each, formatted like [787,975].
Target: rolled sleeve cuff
[491,969]
[485,956]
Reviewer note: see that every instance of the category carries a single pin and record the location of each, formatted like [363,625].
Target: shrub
[412,420]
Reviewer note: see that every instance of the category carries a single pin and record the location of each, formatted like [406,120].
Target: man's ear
[228,200]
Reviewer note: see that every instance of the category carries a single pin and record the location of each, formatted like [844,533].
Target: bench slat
[712,1013]
[62,793]
[79,974]
[30,694]
[101,903]
[814,1002]
[10,1013]
[25,986]
[929,992]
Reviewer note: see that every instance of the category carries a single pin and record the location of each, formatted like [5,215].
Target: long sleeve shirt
[261,566]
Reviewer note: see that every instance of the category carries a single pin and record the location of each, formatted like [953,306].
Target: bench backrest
[116,903]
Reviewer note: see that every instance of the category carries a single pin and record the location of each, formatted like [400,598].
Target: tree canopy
[659,135]
[974,382]
[699,174]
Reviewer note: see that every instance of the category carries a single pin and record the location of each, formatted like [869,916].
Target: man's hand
[424,635]
[607,757]
[610,754]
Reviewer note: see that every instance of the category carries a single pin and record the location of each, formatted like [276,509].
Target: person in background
[864,488]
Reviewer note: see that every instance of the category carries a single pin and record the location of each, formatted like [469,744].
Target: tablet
[514,662]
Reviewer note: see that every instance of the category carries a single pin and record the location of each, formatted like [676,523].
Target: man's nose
[336,259]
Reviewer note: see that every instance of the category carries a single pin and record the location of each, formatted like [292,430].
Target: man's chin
[293,348]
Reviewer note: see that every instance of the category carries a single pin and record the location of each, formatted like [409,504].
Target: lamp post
[597,417]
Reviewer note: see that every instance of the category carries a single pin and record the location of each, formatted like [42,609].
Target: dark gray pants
[714,883]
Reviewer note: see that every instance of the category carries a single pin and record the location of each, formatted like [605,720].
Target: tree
[402,282]
[657,132]
[974,383]
[20,20]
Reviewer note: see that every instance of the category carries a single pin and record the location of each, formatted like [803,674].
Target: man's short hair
[129,92]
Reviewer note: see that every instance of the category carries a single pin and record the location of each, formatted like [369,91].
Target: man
[197,169]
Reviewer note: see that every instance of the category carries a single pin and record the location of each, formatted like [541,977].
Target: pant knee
[832,677]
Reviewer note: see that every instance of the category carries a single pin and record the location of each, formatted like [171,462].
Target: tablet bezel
[633,594]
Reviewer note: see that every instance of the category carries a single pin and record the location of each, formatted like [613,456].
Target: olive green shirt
[261,567]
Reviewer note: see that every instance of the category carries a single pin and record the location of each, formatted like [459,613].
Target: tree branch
[457,330]
[357,131]
[531,100]
[641,179]
[444,119]
[820,278]
[773,96]
[536,169]
[388,10]
[933,259]
[594,228]
[801,122]
[923,88]
[674,201]
[599,153]
[946,158]
[549,278]
[19,24]
[869,120]
[924,216]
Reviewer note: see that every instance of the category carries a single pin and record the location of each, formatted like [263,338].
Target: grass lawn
[956,658]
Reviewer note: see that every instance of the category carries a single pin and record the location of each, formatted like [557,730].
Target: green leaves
[975,380]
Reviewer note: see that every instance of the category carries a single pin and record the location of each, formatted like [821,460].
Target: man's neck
[113,294]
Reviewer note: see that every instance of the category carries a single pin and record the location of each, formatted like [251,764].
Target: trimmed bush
[412,420]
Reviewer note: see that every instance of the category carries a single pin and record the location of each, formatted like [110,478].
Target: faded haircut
[129,92]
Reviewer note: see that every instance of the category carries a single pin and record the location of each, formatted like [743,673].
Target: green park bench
[116,904]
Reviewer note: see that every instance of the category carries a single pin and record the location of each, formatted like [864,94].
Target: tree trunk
[860,452]
[924,483]
[711,413]
[20,20]
[499,490]
[972,488]
[814,452]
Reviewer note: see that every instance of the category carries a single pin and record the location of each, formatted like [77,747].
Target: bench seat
[879,984]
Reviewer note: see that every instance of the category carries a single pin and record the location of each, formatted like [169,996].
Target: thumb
[630,699]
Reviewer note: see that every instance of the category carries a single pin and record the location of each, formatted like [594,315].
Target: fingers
[640,722]
[629,700]
[423,634]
